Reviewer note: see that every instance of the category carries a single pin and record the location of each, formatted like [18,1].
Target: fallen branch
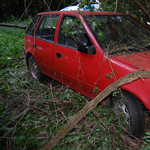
[26,8]
[92,104]
[143,8]
[17,117]
[14,26]
[128,141]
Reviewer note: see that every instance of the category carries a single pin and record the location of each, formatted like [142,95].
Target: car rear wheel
[34,69]
[131,108]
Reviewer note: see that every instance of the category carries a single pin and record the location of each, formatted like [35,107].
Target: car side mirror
[84,48]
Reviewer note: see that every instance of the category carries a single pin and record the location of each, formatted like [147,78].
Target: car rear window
[47,27]
[33,25]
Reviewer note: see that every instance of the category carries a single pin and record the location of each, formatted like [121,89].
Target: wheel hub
[120,107]
[34,69]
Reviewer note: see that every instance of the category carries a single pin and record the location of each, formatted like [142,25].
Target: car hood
[140,61]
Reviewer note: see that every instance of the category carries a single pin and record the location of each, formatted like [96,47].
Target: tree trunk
[14,8]
[20,6]
[14,26]
[1,11]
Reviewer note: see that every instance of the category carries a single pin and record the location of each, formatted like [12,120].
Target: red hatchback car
[89,51]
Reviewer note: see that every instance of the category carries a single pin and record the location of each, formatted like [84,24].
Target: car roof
[76,13]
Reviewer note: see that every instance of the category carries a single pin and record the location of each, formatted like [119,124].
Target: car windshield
[119,34]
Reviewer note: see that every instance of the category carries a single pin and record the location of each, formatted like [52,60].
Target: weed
[146,143]
[11,46]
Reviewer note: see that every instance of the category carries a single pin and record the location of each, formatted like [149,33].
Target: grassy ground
[31,112]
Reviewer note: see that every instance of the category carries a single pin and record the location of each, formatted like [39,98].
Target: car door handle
[58,55]
[34,46]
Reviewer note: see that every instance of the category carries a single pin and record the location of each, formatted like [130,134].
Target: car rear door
[44,43]
[29,37]
[78,70]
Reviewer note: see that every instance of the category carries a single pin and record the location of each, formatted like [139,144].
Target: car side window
[71,32]
[33,25]
[47,26]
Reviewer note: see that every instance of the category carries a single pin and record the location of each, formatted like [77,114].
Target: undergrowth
[31,112]
[11,46]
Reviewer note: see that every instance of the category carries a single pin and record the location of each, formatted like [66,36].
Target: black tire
[34,69]
[131,107]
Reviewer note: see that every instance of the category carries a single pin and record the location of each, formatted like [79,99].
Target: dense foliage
[10,8]
[15,8]
[137,8]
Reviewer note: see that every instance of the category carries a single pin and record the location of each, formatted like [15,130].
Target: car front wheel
[34,69]
[131,108]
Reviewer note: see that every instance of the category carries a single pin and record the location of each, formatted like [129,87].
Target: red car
[90,50]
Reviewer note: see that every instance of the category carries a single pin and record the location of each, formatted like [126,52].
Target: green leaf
[147,133]
[94,25]
[101,36]
[108,76]
[1,108]
[92,9]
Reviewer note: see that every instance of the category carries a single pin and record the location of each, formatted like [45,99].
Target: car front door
[77,69]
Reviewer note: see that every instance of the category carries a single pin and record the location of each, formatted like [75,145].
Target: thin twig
[22,114]
[26,8]
[116,5]
[63,114]
[16,118]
